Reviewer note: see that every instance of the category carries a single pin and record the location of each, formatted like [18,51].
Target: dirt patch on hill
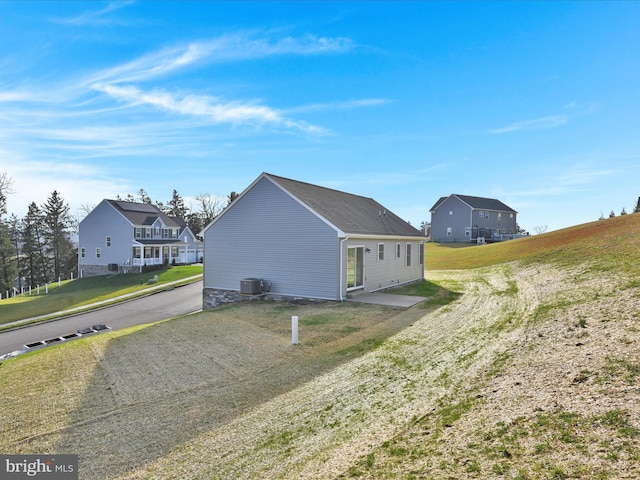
[531,373]
[560,400]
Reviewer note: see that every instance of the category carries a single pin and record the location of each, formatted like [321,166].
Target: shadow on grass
[156,388]
[436,295]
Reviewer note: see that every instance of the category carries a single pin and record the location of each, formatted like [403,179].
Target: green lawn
[606,244]
[76,293]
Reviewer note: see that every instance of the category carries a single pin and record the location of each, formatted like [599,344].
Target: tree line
[622,212]
[38,248]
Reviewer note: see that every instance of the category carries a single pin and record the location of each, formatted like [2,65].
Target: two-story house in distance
[463,218]
[119,236]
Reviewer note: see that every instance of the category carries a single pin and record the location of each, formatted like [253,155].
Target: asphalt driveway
[152,308]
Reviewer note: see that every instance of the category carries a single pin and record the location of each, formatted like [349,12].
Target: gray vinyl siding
[451,213]
[456,214]
[267,234]
[506,223]
[101,222]
[389,272]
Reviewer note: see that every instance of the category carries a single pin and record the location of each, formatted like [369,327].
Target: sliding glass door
[355,267]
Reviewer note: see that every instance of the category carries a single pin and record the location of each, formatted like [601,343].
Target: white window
[398,251]
[408,254]
[108,241]
[421,249]
[148,233]
[511,215]
[136,252]
[499,215]
[98,252]
[449,231]
[380,252]
[467,231]
[83,252]
[450,212]
[138,232]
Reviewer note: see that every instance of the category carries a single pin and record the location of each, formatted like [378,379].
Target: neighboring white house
[125,236]
[295,239]
[464,218]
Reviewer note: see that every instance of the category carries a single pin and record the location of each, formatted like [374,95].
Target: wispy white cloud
[574,178]
[573,108]
[344,105]
[95,17]
[216,111]
[78,183]
[550,121]
[227,48]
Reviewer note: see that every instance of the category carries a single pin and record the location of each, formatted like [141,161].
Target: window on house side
[449,231]
[408,254]
[98,252]
[421,250]
[398,252]
[450,212]
[467,231]
[108,241]
[380,252]
[83,252]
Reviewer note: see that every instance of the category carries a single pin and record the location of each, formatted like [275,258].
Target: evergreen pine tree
[56,222]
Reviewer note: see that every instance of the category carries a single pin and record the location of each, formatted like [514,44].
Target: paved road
[159,306]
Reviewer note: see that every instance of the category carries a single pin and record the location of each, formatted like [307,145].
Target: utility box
[251,286]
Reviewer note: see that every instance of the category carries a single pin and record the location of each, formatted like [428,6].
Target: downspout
[471,226]
[341,260]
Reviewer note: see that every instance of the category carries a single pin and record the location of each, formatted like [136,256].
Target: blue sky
[534,103]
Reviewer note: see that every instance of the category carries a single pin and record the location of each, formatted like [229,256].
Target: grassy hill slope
[530,372]
[608,244]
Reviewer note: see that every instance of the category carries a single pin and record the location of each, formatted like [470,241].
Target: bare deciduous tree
[6,182]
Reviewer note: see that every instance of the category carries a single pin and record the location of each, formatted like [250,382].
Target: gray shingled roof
[352,214]
[144,213]
[478,203]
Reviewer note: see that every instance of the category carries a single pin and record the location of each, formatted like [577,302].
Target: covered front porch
[163,254]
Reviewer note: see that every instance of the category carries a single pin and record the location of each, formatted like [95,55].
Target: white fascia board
[369,236]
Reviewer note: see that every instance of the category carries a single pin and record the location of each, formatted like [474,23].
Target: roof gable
[477,203]
[352,214]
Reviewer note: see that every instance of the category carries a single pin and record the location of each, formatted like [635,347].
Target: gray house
[125,236]
[463,218]
[307,241]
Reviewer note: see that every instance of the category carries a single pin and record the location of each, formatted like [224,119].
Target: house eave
[373,236]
